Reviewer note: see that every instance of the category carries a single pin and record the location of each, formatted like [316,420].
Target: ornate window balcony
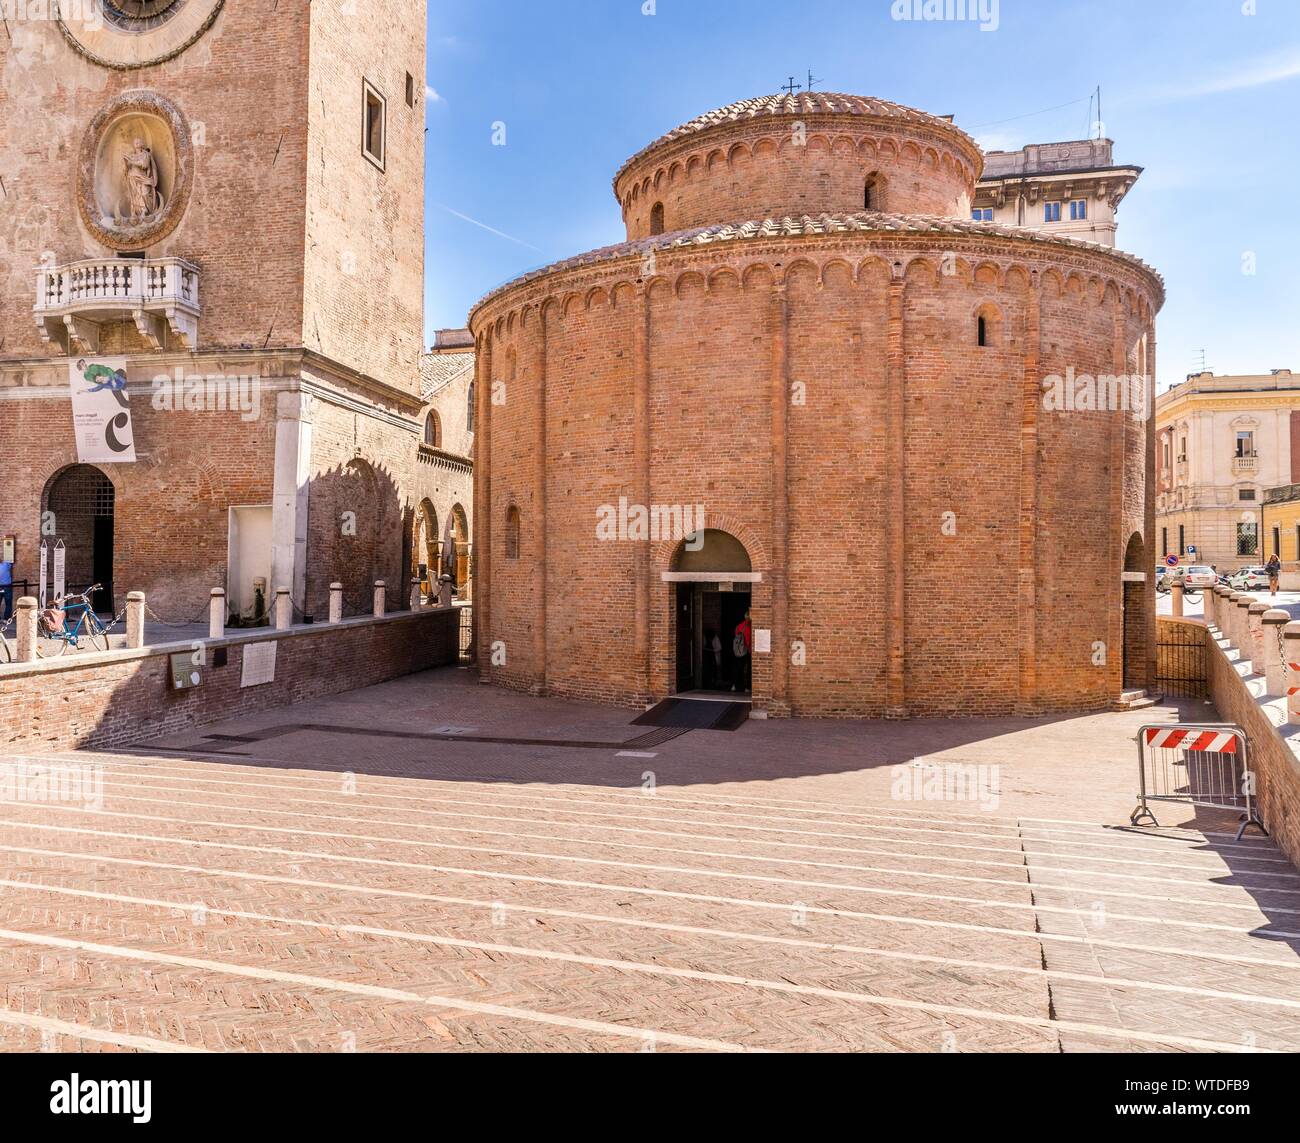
[1242,465]
[159,295]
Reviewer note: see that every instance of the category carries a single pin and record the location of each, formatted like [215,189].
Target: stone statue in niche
[144,198]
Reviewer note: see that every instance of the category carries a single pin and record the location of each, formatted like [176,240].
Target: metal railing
[467,649]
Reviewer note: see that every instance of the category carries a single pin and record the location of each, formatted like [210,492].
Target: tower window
[1078,210]
[657,218]
[873,194]
[988,326]
[512,533]
[1051,212]
[432,430]
[410,90]
[374,138]
[982,214]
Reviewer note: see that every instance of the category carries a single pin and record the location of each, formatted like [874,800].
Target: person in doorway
[1274,569]
[742,648]
[6,591]
[713,641]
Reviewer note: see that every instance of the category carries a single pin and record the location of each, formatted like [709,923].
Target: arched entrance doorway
[460,537]
[82,504]
[1136,650]
[424,548]
[713,580]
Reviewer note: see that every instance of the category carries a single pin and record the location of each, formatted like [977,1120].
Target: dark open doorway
[81,506]
[707,618]
[1136,621]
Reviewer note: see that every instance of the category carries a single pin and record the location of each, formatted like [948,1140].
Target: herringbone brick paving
[324,893]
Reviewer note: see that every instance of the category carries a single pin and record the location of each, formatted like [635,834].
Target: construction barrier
[1200,765]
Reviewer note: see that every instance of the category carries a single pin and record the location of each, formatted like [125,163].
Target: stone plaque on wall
[259,665]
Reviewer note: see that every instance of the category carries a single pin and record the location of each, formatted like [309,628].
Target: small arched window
[873,194]
[988,327]
[433,430]
[469,409]
[512,533]
[657,218]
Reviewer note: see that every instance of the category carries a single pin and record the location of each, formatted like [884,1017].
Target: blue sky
[1203,95]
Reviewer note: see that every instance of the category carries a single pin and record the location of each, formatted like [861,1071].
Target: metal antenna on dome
[811,80]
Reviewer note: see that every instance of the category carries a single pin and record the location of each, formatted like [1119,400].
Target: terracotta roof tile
[438,370]
[864,222]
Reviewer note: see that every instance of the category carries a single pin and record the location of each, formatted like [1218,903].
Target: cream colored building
[1070,189]
[1221,443]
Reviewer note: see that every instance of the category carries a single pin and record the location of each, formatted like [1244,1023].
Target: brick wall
[125,697]
[904,419]
[760,171]
[1277,771]
[243,89]
[364,270]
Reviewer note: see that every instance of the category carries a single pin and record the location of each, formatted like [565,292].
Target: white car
[1249,579]
[1198,576]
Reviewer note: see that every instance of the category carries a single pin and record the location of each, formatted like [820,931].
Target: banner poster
[101,410]
[44,581]
[60,568]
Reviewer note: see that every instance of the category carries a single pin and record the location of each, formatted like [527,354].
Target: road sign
[1172,561]
[1191,549]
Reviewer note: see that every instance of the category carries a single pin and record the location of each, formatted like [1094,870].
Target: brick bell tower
[228,196]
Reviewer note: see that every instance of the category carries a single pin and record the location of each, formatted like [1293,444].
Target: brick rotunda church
[807,339]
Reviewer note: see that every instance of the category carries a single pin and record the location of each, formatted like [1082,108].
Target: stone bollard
[135,620]
[1273,620]
[417,596]
[217,614]
[1177,592]
[1290,661]
[25,629]
[1211,597]
[1254,619]
[1230,617]
[1240,624]
[381,599]
[1234,613]
[1242,608]
[283,609]
[336,603]
[444,591]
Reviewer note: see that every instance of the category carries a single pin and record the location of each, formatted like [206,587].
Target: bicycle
[55,643]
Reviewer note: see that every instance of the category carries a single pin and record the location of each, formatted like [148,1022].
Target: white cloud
[431,95]
[1260,72]
[489,229]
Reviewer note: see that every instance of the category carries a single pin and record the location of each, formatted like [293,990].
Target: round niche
[125,34]
[135,171]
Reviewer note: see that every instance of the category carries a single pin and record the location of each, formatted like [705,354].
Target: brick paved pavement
[268,885]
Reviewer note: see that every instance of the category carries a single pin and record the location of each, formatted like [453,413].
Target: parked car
[1198,576]
[1249,579]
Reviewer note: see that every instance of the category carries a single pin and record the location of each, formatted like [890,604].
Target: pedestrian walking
[1274,569]
[742,647]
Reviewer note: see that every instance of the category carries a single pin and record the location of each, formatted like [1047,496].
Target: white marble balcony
[160,296]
